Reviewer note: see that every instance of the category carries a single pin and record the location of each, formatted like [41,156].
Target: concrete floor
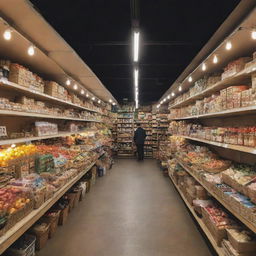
[132,211]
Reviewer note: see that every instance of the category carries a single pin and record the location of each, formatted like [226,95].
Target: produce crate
[240,246]
[64,215]
[39,197]
[218,234]
[41,237]
[53,221]
[24,246]
[18,215]
[71,198]
[77,197]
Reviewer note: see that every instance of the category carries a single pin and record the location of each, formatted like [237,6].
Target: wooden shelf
[38,115]
[236,79]
[218,249]
[22,226]
[245,149]
[249,224]
[28,139]
[225,113]
[5,84]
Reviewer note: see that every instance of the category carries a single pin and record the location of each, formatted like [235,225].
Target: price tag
[3,131]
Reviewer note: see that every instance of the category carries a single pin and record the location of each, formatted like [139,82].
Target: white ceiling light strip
[136,41]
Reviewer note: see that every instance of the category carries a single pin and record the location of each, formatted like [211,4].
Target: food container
[41,231]
[241,247]
[24,246]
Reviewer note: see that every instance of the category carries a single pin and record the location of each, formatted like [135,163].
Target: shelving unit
[22,226]
[247,223]
[245,149]
[236,79]
[38,115]
[125,128]
[199,221]
[7,85]
[222,114]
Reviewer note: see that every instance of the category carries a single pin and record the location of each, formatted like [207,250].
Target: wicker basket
[39,198]
[53,222]
[28,251]
[41,237]
[63,215]
[77,197]
[71,198]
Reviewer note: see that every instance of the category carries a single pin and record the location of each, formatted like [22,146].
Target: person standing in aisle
[139,139]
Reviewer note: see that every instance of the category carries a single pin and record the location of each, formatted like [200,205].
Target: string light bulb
[93,98]
[203,66]
[7,34]
[114,103]
[82,91]
[173,94]
[75,87]
[31,50]
[190,79]
[158,106]
[215,59]
[68,82]
[87,95]
[110,100]
[180,88]
[253,34]
[168,97]
[228,45]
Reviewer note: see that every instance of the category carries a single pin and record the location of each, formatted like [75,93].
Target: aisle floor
[132,211]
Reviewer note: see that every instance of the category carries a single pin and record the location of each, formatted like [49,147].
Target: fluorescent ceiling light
[136,77]
[136,39]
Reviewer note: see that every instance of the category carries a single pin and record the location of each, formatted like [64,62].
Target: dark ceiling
[172,33]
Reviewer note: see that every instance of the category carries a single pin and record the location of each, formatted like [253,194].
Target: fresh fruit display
[13,198]
[14,153]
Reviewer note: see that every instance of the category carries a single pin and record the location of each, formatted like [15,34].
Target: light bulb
[165,100]
[215,59]
[180,88]
[228,45]
[75,87]
[93,98]
[82,92]
[253,34]
[31,50]
[87,95]
[7,34]
[168,97]
[173,94]
[114,103]
[68,82]
[99,101]
[110,100]
[190,79]
[158,106]
[203,66]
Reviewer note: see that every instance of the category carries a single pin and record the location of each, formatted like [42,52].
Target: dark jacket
[139,136]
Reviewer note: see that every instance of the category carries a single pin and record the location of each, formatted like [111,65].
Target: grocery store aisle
[133,211]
